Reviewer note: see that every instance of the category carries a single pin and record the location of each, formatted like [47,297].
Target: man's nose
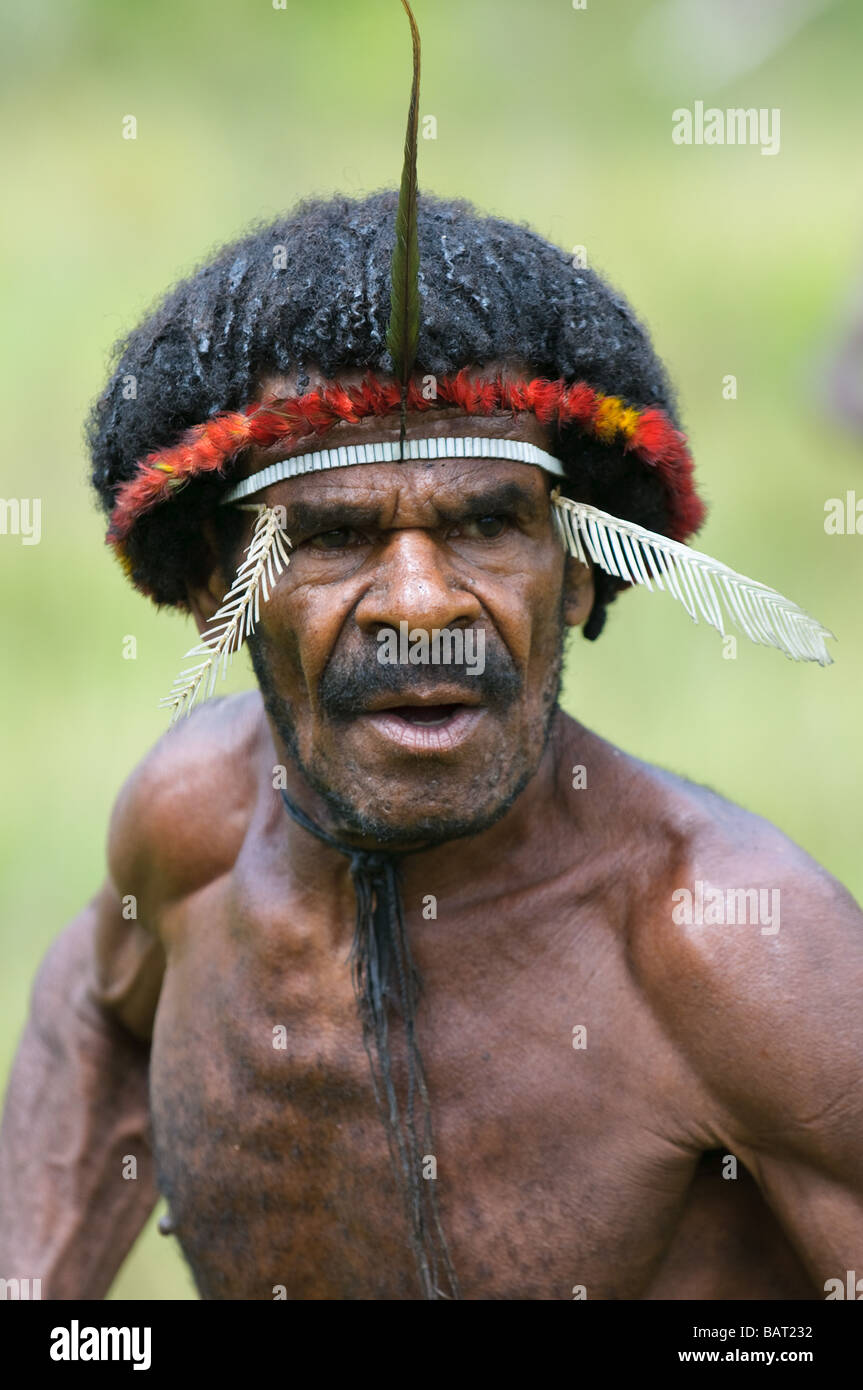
[416,582]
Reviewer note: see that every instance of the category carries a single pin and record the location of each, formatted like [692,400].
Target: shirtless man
[626,1106]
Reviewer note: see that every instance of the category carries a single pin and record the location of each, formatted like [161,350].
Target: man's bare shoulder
[752,955]
[181,816]
[672,824]
[731,870]
[724,839]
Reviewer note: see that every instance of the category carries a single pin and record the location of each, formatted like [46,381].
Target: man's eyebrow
[497,497]
[308,517]
[334,515]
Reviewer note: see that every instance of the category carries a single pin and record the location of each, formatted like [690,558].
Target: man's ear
[578,592]
[205,599]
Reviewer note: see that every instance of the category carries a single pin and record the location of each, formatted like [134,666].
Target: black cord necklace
[384,976]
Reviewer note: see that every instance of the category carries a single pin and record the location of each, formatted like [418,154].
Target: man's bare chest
[562,1156]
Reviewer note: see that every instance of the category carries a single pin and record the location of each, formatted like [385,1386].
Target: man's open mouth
[433,724]
[428,715]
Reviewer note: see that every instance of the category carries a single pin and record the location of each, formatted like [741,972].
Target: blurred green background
[741,264]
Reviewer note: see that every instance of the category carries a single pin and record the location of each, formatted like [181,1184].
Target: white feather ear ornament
[265,559]
[703,585]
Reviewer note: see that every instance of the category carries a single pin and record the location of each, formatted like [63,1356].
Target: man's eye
[486,527]
[332,540]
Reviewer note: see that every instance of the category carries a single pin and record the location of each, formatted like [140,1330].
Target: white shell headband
[704,586]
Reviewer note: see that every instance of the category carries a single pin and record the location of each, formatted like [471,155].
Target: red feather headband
[647,434]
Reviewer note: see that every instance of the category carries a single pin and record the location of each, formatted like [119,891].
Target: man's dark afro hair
[314,287]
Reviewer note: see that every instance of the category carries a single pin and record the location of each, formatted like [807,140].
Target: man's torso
[575,1147]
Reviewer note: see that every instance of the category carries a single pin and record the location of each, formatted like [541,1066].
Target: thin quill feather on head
[404,323]
[703,585]
[240,610]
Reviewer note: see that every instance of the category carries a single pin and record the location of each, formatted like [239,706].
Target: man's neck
[524,838]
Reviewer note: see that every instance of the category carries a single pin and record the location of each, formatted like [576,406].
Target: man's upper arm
[129,959]
[178,823]
[772,1023]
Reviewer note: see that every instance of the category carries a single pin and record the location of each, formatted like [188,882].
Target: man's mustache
[353,680]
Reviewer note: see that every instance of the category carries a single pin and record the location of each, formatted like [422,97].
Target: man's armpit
[129,963]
